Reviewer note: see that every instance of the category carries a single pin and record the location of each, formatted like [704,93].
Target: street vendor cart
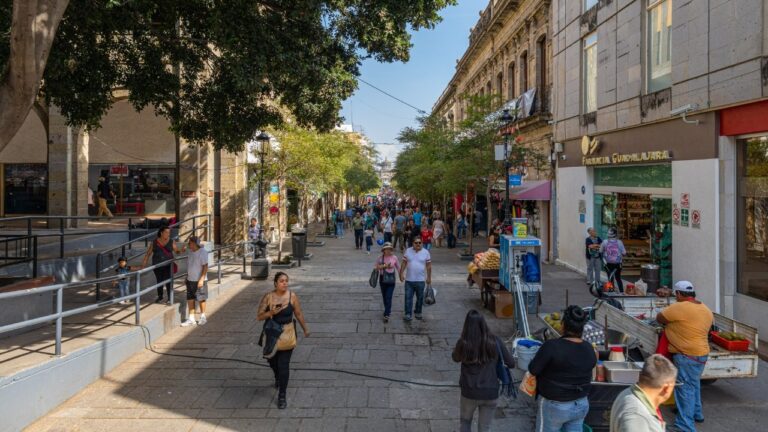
[520,273]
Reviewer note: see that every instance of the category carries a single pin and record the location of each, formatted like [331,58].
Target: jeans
[615,270]
[467,407]
[161,274]
[399,237]
[122,287]
[340,229]
[428,246]
[556,416]
[388,237]
[461,231]
[688,393]
[594,266]
[386,294]
[412,288]
[281,366]
[358,238]
[368,243]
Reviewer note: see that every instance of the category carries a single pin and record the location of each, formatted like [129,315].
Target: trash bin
[649,273]
[299,244]
[260,268]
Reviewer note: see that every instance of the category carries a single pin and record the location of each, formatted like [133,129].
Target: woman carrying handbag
[386,265]
[278,308]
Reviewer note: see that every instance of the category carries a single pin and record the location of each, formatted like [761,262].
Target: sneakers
[281,403]
[189,322]
[419,317]
[386,318]
[159,300]
[407,318]
[202,321]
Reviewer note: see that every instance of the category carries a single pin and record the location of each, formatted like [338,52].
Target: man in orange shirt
[687,324]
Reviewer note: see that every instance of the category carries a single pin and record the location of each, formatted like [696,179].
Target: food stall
[484,272]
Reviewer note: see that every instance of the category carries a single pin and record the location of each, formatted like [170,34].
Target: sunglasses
[416,243]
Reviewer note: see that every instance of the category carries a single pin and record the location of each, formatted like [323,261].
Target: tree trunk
[33,28]
[488,206]
[471,227]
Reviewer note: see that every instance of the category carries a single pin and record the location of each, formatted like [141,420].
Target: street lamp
[263,140]
[506,119]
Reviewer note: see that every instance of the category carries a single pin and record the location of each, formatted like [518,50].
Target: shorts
[195,293]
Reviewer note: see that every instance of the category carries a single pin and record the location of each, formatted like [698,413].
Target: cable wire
[419,110]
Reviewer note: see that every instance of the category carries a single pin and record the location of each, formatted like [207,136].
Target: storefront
[24,188]
[139,189]
[655,185]
[744,144]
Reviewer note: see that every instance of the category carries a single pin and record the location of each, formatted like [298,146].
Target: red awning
[534,190]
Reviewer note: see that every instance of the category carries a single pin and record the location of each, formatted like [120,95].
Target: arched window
[500,84]
[511,83]
[541,74]
[524,72]
[488,88]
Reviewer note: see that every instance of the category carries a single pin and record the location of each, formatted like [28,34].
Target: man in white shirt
[197,284]
[416,272]
[386,225]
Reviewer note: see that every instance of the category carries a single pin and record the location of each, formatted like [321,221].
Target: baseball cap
[684,286]
[194,239]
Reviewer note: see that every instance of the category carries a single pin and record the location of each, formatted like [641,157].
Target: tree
[216,70]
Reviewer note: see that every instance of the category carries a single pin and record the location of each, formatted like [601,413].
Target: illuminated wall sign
[619,158]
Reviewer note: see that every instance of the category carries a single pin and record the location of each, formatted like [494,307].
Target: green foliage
[439,159]
[218,70]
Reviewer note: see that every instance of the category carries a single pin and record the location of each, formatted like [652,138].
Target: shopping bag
[374,279]
[429,295]
[528,384]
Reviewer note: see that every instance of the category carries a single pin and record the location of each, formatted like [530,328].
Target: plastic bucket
[525,355]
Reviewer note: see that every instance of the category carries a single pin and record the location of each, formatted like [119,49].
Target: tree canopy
[216,70]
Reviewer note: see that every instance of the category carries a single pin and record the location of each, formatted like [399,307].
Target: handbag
[374,279]
[429,295]
[386,277]
[287,340]
[507,387]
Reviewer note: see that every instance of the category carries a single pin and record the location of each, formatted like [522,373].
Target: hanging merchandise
[273,198]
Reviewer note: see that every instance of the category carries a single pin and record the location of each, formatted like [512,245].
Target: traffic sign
[684,217]
[515,180]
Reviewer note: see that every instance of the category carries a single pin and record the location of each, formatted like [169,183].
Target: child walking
[368,240]
[122,285]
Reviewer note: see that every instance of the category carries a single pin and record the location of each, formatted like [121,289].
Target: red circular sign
[676,215]
[696,216]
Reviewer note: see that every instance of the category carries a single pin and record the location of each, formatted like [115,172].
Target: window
[26,188]
[659,45]
[500,84]
[524,72]
[590,73]
[588,4]
[511,83]
[753,218]
[541,73]
[488,88]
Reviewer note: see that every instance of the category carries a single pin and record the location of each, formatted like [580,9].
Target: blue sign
[515,180]
[582,217]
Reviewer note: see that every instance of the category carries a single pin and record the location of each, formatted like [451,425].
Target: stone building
[661,130]
[50,168]
[508,55]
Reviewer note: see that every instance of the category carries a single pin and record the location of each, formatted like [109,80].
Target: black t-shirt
[592,253]
[563,369]
[104,190]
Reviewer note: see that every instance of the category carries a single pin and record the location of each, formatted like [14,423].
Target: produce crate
[739,346]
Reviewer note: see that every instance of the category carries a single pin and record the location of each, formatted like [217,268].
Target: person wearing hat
[613,252]
[686,325]
[386,264]
[197,284]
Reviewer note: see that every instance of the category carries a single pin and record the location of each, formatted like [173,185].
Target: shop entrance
[641,214]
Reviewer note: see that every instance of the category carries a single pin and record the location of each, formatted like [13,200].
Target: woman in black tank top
[281,305]
[162,250]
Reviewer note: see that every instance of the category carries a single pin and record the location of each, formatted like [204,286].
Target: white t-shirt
[387,224]
[417,265]
[195,262]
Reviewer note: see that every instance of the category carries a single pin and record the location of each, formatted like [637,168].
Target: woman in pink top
[388,267]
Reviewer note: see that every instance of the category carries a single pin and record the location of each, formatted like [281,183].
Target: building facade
[660,119]
[509,56]
[51,168]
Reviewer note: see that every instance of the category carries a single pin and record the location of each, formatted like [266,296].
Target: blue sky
[418,82]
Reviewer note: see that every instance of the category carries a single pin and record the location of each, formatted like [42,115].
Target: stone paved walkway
[161,393]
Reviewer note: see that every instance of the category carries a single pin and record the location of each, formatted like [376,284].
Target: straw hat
[387,245]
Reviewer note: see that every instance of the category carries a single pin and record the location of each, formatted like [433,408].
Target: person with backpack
[479,352]
[613,253]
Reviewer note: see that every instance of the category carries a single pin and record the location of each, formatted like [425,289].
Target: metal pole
[137,306]
[29,226]
[173,284]
[262,154]
[59,319]
[98,276]
[218,264]
[61,238]
[507,219]
[34,252]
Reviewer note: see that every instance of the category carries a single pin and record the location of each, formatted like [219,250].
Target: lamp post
[263,140]
[506,119]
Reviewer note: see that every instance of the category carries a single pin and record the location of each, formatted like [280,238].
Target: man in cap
[687,323]
[197,285]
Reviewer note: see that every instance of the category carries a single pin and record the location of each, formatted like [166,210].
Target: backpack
[611,252]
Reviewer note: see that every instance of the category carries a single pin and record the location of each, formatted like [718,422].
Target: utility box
[259,268]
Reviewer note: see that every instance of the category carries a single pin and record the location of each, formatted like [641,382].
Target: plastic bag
[429,295]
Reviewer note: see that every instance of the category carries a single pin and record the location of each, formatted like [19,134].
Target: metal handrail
[62,234]
[145,238]
[30,256]
[60,314]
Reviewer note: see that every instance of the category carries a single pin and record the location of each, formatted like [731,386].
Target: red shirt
[426,236]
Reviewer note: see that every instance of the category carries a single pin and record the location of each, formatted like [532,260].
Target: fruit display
[472,268]
[489,260]
[731,341]
[555,320]
[732,336]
